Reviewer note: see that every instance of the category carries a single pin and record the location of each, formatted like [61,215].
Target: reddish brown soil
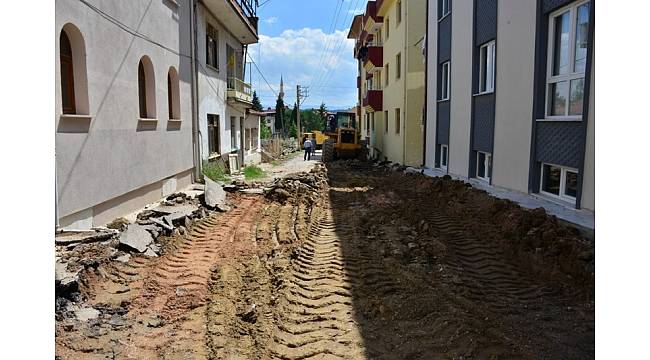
[374,265]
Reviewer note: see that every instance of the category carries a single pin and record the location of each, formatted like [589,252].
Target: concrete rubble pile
[80,251]
[305,185]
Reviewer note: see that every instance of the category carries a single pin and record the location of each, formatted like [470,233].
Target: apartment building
[510,95]
[224,31]
[391,78]
[127,111]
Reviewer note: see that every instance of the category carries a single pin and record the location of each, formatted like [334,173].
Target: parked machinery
[343,140]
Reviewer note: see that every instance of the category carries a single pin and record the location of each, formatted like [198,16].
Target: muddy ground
[351,261]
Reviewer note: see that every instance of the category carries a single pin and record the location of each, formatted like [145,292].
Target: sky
[305,42]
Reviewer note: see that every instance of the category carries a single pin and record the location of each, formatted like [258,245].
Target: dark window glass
[67,75]
[576,95]
[571,184]
[561,44]
[170,106]
[558,98]
[212,47]
[582,30]
[142,91]
[213,133]
[551,179]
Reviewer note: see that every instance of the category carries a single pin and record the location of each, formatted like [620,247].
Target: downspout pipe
[198,173]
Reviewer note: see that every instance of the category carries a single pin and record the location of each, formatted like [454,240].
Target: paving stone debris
[215,194]
[136,237]
[86,313]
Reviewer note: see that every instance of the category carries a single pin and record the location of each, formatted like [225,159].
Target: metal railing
[239,86]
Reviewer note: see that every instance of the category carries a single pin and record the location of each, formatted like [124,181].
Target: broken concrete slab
[136,237]
[162,223]
[123,259]
[186,210]
[63,277]
[174,218]
[214,193]
[150,253]
[87,313]
[253,191]
[78,237]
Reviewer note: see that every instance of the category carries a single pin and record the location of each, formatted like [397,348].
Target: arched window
[146,89]
[67,75]
[74,82]
[173,95]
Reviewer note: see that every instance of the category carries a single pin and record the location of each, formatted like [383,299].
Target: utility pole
[298,113]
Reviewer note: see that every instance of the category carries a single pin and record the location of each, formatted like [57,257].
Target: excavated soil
[356,262]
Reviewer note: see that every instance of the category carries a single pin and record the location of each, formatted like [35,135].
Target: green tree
[311,120]
[279,114]
[294,115]
[265,131]
[257,105]
[293,132]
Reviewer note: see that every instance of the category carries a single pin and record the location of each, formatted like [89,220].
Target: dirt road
[356,262]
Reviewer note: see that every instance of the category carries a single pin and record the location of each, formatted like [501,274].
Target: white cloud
[298,55]
[272,20]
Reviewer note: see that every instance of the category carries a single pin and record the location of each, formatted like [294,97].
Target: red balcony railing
[373,99]
[374,55]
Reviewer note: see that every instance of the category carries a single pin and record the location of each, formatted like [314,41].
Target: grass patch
[253,172]
[215,171]
[276,163]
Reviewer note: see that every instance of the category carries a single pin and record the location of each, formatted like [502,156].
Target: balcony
[238,16]
[373,57]
[370,19]
[373,100]
[239,91]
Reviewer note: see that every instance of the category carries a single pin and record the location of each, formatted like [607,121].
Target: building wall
[101,158]
[415,17]
[213,86]
[514,93]
[461,87]
[432,80]
[393,94]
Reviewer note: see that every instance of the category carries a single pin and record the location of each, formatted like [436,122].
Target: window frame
[444,13]
[484,67]
[214,134]
[445,85]
[446,157]
[387,26]
[67,62]
[143,110]
[211,33]
[487,163]
[386,121]
[571,75]
[398,66]
[563,172]
[398,121]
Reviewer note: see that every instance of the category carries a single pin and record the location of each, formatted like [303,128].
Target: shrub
[252,172]
[215,171]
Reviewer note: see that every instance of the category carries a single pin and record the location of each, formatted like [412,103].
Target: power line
[260,72]
[335,17]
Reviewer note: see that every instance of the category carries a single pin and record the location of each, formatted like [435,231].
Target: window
[445,8]
[398,66]
[483,165]
[398,119]
[212,47]
[213,134]
[559,181]
[67,75]
[367,122]
[73,76]
[173,96]
[444,81]
[372,121]
[486,67]
[233,132]
[444,156]
[387,22]
[387,73]
[386,121]
[399,12]
[567,59]
[146,89]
